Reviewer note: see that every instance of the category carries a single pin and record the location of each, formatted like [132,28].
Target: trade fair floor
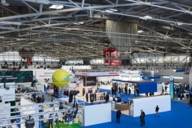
[179,117]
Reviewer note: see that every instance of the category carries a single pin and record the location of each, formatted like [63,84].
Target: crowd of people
[182,91]
[92,97]
[37,97]
[118,89]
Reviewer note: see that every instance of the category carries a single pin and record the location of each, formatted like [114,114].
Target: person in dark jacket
[142,118]
[120,90]
[157,110]
[107,98]
[30,123]
[61,107]
[137,92]
[83,91]
[118,116]
[50,121]
[113,90]
[91,97]
[87,97]
[126,89]
[70,96]
[95,96]
[76,110]
[129,91]
[190,98]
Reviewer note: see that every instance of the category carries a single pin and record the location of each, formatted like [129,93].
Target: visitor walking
[126,89]
[87,97]
[50,121]
[83,91]
[118,116]
[129,91]
[107,98]
[142,118]
[157,110]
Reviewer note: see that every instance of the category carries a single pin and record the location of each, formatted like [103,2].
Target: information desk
[148,104]
[97,114]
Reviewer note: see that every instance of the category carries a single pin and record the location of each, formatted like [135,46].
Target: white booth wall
[6,96]
[40,75]
[148,104]
[97,114]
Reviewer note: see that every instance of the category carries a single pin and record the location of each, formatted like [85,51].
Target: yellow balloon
[61,78]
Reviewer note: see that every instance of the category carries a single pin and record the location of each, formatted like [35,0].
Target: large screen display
[16,76]
[90,81]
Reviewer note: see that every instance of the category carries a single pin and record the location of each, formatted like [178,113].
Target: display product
[61,78]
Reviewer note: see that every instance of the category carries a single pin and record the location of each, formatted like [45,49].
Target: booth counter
[124,107]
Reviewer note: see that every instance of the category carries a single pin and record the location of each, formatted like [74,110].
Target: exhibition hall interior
[95,63]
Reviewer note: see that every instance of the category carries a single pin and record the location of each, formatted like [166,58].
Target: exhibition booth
[144,94]
[91,91]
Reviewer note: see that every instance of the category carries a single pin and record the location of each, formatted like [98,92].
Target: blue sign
[147,87]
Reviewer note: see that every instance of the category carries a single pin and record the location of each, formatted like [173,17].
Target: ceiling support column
[120,34]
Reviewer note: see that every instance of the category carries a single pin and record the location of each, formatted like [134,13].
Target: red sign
[111,57]
[29,60]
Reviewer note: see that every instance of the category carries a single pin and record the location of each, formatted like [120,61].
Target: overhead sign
[97,74]
[16,76]
[112,57]
[129,75]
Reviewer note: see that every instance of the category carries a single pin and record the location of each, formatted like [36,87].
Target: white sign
[76,67]
[129,75]
[97,74]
